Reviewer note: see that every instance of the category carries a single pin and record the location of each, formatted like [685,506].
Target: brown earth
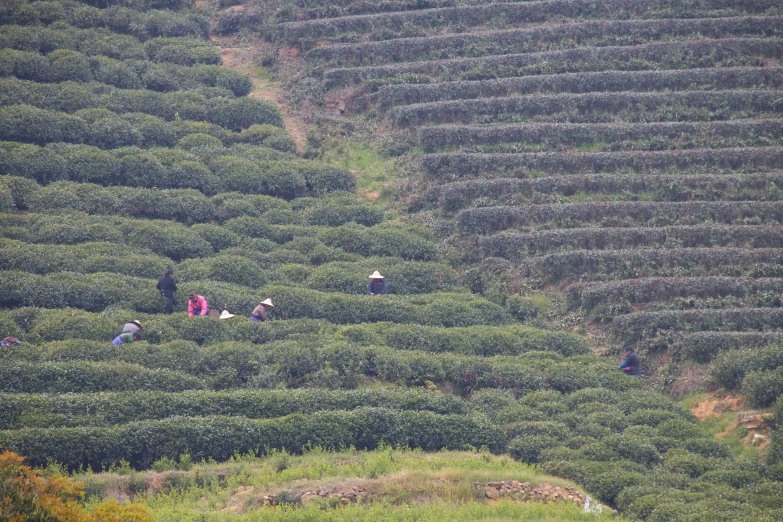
[717,406]
[241,59]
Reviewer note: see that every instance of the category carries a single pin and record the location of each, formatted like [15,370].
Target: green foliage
[107,409]
[91,377]
[221,437]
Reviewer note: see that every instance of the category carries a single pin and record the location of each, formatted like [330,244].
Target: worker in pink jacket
[197,305]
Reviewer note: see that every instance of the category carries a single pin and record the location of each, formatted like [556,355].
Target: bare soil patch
[717,406]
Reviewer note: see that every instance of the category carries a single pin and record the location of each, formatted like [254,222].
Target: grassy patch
[375,174]
[262,74]
[400,485]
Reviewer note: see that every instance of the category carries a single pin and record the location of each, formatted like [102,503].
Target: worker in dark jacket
[167,287]
[377,285]
[631,364]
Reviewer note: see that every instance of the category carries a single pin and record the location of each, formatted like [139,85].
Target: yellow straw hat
[267,302]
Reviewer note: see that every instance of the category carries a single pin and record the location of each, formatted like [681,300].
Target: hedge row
[516,246]
[90,42]
[87,41]
[622,136]
[310,9]
[141,443]
[70,97]
[304,244]
[22,66]
[538,39]
[704,346]
[108,130]
[605,81]
[638,291]
[94,292]
[595,108]
[141,25]
[763,388]
[629,264]
[472,16]
[455,166]
[331,364]
[185,205]
[730,368]
[487,220]
[36,325]
[475,340]
[248,169]
[653,56]
[451,197]
[166,238]
[633,327]
[107,409]
[82,376]
[87,258]
[143,5]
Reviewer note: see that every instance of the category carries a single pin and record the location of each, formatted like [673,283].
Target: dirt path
[241,59]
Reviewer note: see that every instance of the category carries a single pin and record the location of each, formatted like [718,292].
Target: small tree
[28,496]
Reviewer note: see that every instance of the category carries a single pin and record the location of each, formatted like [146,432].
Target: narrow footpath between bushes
[241,59]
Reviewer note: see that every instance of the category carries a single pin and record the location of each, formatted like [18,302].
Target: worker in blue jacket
[631,364]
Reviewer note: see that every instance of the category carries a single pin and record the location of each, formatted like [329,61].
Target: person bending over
[259,312]
[126,337]
[197,305]
[631,364]
[133,327]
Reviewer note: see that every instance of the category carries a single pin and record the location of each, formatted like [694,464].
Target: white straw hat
[268,302]
[376,275]
[226,315]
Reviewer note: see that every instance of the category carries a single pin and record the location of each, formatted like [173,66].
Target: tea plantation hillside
[611,159]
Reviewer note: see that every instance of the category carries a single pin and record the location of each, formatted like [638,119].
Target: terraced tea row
[606,81]
[295,364]
[517,246]
[688,54]
[447,167]
[540,39]
[451,197]
[597,108]
[305,244]
[604,136]
[618,213]
[506,14]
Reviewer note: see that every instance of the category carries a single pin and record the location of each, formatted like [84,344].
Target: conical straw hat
[226,315]
[268,302]
[376,275]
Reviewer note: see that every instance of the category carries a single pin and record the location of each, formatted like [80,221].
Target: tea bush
[402,277]
[649,56]
[660,80]
[91,377]
[106,409]
[517,246]
[474,340]
[466,16]
[500,42]
[363,428]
